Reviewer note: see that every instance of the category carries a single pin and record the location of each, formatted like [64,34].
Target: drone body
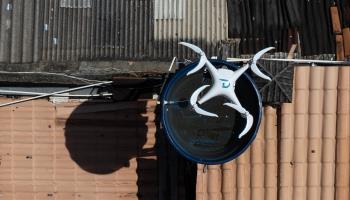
[224,81]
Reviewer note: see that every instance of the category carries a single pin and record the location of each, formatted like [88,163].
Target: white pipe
[171,65]
[54,93]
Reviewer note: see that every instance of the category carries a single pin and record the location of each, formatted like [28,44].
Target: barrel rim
[169,133]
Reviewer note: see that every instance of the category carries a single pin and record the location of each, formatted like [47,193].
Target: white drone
[224,81]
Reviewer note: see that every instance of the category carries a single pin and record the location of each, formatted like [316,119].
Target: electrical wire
[55,74]
[16,92]
[299,61]
[54,93]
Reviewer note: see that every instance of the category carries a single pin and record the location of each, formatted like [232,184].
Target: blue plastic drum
[202,139]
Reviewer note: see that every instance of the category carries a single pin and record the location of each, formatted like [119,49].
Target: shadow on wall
[105,137]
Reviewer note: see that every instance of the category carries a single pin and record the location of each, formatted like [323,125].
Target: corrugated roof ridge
[214,182]
[315,133]
[270,153]
[229,180]
[258,164]
[201,187]
[300,132]
[286,152]
[342,136]
[329,133]
[285,187]
[243,175]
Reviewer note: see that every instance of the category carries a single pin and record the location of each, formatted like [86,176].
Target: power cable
[54,93]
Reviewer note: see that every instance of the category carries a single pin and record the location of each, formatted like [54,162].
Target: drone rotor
[254,66]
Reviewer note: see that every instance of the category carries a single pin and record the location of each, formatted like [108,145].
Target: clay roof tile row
[48,152]
[302,151]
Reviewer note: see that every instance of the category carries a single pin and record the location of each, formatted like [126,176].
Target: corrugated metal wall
[109,29]
[42,30]
[306,159]
[18,34]
[75,3]
[203,23]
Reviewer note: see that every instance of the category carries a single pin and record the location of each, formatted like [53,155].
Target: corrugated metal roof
[168,9]
[78,151]
[51,30]
[109,29]
[202,21]
[307,158]
[75,3]
[282,23]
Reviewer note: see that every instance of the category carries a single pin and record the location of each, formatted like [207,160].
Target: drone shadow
[102,138]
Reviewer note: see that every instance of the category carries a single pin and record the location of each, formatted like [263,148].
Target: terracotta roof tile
[228,180]
[46,150]
[342,136]
[243,175]
[312,147]
[214,191]
[315,132]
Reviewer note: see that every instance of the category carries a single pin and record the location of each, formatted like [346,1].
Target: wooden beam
[346,40]
[291,51]
[335,20]
[339,47]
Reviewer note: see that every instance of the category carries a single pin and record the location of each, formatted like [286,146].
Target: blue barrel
[202,139]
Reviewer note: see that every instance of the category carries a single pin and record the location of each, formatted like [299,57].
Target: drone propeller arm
[240,71]
[213,92]
[202,62]
[254,66]
[212,70]
[258,55]
[200,65]
[246,115]
[256,70]
[193,47]
[193,101]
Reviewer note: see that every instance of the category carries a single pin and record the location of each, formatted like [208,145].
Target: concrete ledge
[40,73]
